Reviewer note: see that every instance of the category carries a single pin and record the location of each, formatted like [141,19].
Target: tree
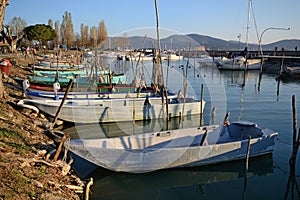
[67,30]
[3,4]
[77,40]
[84,31]
[10,38]
[50,23]
[93,37]
[13,32]
[51,43]
[17,25]
[102,33]
[40,32]
[57,38]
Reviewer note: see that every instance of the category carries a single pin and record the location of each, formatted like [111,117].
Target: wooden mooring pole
[246,167]
[296,140]
[201,105]
[61,104]
[279,76]
[292,181]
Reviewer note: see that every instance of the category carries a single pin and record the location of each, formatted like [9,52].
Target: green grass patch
[43,170]
[16,145]
[7,133]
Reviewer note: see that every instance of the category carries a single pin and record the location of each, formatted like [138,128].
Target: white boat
[207,60]
[39,94]
[242,61]
[109,55]
[239,63]
[176,148]
[116,110]
[171,56]
[291,72]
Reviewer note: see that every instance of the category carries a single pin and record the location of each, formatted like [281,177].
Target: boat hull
[117,110]
[251,64]
[175,150]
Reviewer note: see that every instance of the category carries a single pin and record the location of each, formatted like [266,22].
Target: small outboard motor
[26,85]
[56,87]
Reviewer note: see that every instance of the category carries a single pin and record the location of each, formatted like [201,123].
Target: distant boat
[242,61]
[171,56]
[188,147]
[290,72]
[207,60]
[239,63]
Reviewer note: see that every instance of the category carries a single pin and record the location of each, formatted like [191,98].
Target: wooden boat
[47,68]
[95,95]
[70,73]
[60,64]
[86,80]
[38,86]
[103,87]
[188,147]
[291,72]
[112,110]
[45,73]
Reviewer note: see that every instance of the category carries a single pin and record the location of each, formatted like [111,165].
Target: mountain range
[202,42]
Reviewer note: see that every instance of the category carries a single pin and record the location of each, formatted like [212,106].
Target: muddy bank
[27,169]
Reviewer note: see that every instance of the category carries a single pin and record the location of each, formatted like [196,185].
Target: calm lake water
[225,91]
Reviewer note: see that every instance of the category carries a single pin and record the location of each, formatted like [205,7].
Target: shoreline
[26,159]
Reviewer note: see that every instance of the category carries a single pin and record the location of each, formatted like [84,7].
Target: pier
[220,53]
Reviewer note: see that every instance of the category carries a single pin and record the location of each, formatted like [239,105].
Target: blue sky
[224,19]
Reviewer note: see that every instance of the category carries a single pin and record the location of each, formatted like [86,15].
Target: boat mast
[248,23]
[157,73]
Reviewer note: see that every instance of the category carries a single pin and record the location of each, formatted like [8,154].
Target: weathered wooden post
[279,77]
[213,115]
[61,104]
[64,138]
[201,105]
[296,141]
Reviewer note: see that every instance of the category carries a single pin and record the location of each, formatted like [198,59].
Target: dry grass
[21,138]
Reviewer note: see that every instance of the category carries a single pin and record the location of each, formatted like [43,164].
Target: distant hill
[177,42]
[286,44]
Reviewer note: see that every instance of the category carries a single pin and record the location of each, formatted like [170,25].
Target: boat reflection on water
[108,130]
[166,183]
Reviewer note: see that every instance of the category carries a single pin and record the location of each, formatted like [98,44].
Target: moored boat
[188,147]
[112,110]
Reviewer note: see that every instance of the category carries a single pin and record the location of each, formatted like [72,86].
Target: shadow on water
[196,181]
[292,185]
[108,130]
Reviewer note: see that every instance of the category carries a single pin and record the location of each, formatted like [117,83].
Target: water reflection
[292,185]
[104,130]
[111,185]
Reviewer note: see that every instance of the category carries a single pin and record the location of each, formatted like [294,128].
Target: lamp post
[270,28]
[239,36]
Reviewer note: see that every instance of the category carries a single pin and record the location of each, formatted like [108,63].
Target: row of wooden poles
[292,182]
